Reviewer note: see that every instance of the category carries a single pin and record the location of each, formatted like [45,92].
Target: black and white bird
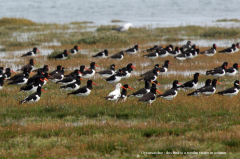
[187,46]
[181,56]
[231,71]
[8,73]
[123,28]
[108,72]
[28,66]
[102,54]
[117,56]
[90,72]
[44,69]
[32,87]
[217,72]
[33,98]
[59,69]
[132,50]
[21,80]
[84,91]
[127,70]
[68,80]
[151,49]
[210,89]
[174,52]
[149,97]
[57,76]
[171,93]
[164,52]
[1,82]
[115,78]
[115,95]
[231,91]
[23,74]
[210,52]
[31,53]
[142,91]
[164,68]
[228,50]
[123,95]
[152,76]
[191,84]
[150,71]
[197,92]
[62,56]
[32,79]
[153,55]
[237,47]
[73,86]
[74,50]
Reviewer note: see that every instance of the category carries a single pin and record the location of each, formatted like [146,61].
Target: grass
[116,21]
[61,126]
[228,20]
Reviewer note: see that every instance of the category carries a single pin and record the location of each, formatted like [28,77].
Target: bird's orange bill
[229,65]
[169,63]
[96,65]
[218,82]
[43,90]
[115,66]
[13,71]
[80,78]
[199,75]
[155,83]
[38,50]
[80,72]
[31,73]
[159,91]
[43,73]
[94,83]
[67,52]
[34,61]
[134,67]
[46,79]
[179,83]
[78,47]
[48,68]
[123,87]
[130,88]
[238,66]
[226,67]
[41,80]
[87,69]
[4,79]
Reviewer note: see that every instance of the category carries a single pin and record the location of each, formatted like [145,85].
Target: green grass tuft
[16,21]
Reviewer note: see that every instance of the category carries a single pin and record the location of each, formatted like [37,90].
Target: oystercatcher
[149,97]
[127,71]
[228,50]
[232,70]
[32,79]
[231,91]
[210,89]
[108,72]
[151,71]
[73,86]
[28,66]
[68,80]
[237,47]
[210,52]
[32,87]
[44,69]
[91,72]
[57,76]
[31,53]
[217,72]
[115,95]
[20,80]
[1,82]
[102,54]
[197,92]
[117,56]
[163,70]
[8,73]
[151,49]
[132,51]
[181,56]
[114,78]
[59,69]
[123,95]
[153,55]
[175,52]
[164,52]
[171,93]
[191,84]
[23,74]
[84,91]
[142,91]
[187,46]
[33,98]
[152,76]
[62,56]
[74,50]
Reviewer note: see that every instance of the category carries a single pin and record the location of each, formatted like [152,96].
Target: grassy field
[61,126]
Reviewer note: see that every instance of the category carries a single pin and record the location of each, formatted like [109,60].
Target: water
[138,12]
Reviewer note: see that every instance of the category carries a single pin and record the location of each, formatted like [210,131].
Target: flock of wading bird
[71,82]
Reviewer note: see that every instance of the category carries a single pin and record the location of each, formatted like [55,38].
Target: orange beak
[79,72]
[179,83]
[229,66]
[87,69]
[94,83]
[238,66]
[80,78]
[116,67]
[38,50]
[41,80]
[133,67]
[78,47]
[67,52]
[158,91]
[34,61]
[46,79]
[169,63]
[218,82]
[130,88]
[31,73]
[13,71]
[43,90]
[96,65]
[123,87]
